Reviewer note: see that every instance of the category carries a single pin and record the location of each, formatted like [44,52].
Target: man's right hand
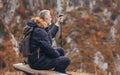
[59,20]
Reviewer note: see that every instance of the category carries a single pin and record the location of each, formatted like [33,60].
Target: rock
[26,69]
[1,4]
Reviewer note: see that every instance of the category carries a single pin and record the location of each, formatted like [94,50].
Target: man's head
[45,15]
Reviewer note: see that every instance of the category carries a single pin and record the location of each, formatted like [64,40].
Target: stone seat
[29,71]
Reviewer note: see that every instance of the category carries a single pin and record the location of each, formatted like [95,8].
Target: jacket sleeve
[42,38]
[54,30]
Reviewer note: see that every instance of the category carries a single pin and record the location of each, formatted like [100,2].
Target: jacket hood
[37,21]
[31,23]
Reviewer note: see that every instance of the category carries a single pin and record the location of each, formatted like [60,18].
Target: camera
[60,15]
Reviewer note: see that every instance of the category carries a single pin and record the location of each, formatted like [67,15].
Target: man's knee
[61,51]
[64,60]
[62,63]
[67,60]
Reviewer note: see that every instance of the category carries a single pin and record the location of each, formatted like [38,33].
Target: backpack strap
[31,35]
[38,52]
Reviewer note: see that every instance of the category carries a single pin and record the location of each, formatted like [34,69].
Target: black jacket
[42,38]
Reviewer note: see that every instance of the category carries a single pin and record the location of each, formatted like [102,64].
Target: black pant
[59,64]
[62,62]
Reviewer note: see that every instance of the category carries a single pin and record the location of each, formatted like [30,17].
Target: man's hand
[59,20]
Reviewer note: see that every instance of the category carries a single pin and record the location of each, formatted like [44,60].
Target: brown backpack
[24,41]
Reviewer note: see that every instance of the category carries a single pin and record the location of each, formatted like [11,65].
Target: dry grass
[76,73]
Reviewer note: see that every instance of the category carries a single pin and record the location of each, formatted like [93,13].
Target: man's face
[48,18]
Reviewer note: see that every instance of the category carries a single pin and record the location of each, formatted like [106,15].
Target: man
[44,56]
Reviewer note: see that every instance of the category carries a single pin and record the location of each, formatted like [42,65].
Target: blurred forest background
[91,32]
